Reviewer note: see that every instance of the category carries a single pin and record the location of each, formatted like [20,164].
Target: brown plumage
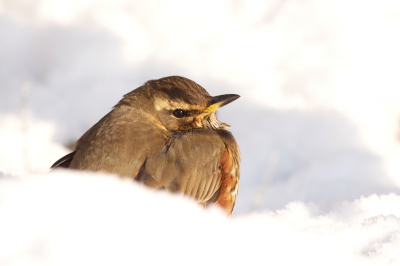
[165,134]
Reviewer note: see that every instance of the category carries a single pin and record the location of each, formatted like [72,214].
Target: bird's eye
[178,113]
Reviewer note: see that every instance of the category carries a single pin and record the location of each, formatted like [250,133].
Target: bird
[165,134]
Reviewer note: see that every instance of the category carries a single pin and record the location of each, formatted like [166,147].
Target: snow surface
[75,218]
[317,125]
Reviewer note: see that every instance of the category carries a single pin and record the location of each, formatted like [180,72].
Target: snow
[317,124]
[67,217]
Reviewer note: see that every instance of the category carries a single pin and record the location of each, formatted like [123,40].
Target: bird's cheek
[197,122]
[169,122]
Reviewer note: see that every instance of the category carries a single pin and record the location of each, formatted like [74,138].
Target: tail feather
[64,162]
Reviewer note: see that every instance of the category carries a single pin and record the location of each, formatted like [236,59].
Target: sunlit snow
[317,124]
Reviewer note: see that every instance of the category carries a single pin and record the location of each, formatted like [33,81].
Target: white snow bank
[76,218]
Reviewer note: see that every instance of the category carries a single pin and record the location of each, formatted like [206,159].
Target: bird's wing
[119,143]
[189,163]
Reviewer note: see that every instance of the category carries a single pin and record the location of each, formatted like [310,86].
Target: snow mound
[77,218]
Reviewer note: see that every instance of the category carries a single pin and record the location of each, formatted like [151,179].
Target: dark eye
[178,113]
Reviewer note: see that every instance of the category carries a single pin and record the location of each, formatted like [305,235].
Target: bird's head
[181,104]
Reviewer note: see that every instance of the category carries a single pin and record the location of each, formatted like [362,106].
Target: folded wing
[189,163]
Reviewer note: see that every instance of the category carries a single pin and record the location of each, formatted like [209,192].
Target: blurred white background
[317,121]
[319,82]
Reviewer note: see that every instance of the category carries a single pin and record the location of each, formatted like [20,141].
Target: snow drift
[67,217]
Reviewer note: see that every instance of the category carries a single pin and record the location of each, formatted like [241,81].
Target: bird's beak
[219,101]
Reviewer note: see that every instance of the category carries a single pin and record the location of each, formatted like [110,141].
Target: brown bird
[166,135]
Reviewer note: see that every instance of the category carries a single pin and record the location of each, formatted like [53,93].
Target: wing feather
[188,164]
